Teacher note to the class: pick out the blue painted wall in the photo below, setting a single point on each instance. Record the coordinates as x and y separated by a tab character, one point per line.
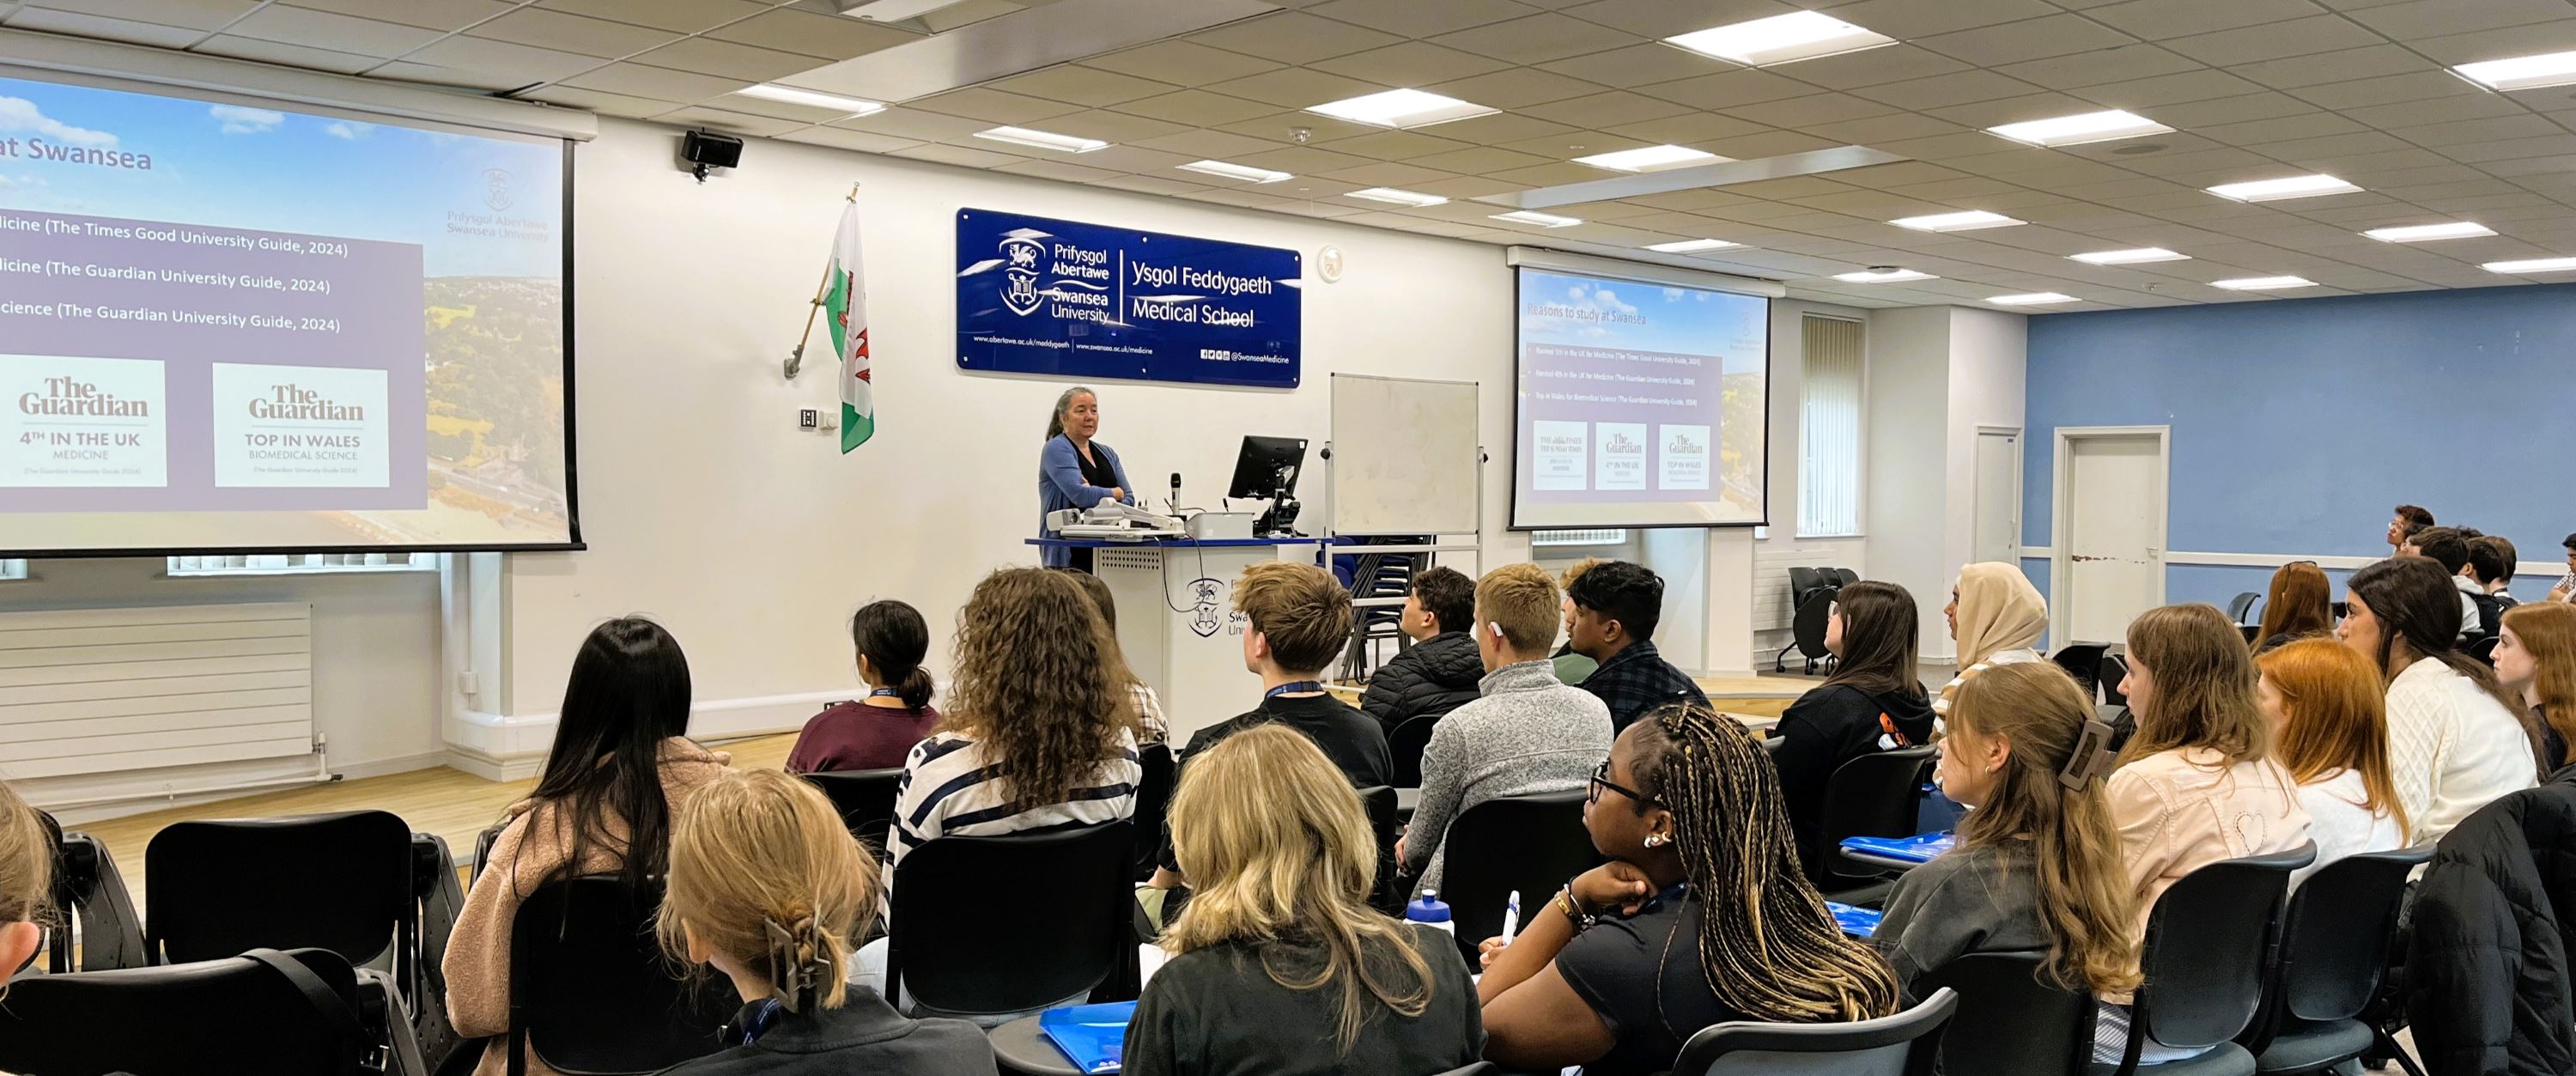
2297	423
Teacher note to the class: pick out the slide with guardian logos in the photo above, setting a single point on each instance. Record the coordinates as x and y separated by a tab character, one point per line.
228	326
1639	404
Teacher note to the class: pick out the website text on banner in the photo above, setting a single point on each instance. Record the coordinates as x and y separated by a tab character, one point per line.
1081	301
210	338
1639	404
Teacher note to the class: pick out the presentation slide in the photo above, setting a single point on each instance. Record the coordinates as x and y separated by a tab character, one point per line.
1639	404
235	327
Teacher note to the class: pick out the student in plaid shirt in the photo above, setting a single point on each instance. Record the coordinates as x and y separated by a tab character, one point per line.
1611	618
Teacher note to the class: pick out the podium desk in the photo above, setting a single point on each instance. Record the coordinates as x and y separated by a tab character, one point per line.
1176	619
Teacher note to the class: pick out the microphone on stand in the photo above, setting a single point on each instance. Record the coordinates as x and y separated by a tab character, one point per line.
1176	493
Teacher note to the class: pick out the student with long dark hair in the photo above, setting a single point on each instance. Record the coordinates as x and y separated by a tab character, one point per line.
2038	866
878	731
2456	739
2299	605
1873	702
620	765
1700	917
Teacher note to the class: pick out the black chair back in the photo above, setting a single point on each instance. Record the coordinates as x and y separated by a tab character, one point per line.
1153	801
1531	844
2242	606
1881	1047
2083	661
2335	940
2011	1019
1388	893
90	892
209	1018
2113	677
1804	581
590	988
340	881
2483	648
865	799
1404	746
2490	617
1004	924
1807	627
1870	796
2208	951
1842	577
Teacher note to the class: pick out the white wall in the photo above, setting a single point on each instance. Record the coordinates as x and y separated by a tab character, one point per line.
1785	545
376	683
1989	367
1906	468
752	541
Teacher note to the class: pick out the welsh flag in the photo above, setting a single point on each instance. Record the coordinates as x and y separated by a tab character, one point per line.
845	306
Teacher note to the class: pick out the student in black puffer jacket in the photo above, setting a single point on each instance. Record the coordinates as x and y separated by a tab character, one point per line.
1873	702
1439	672
2486	957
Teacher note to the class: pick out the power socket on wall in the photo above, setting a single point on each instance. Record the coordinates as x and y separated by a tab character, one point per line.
808	418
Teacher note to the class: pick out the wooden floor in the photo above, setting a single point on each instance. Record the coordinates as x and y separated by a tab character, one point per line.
457	805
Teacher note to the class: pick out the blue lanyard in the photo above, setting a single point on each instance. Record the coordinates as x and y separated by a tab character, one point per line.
759	1020
882	692
1301	687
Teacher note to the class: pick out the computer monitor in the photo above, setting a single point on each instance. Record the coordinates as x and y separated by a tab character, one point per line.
1267	467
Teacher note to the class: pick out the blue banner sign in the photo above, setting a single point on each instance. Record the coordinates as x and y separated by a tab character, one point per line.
1052	297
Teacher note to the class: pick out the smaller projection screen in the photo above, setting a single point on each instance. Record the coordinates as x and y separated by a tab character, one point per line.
1638	404
231	326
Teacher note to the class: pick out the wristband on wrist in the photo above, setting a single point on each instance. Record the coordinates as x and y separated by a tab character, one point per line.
1574	910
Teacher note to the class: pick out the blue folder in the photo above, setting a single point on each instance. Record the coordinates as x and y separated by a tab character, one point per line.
1917	849
1857	922
1093	1037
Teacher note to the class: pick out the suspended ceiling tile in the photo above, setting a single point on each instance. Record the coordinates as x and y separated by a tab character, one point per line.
323	29
1538	38
1080	85
1873	67
1635	65
515	65
104	28
2160	19
1410	63
278	52
1196	108
205	15
1183	63
1294	37
828	37
565	32
726	59
1517	88
679	16
1296	87
2030	39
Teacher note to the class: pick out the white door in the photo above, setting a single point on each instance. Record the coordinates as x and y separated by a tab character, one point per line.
2113	534
1998	496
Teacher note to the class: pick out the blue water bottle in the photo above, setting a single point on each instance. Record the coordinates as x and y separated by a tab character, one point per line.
1431	912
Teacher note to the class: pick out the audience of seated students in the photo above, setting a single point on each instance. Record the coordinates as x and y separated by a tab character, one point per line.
1297	619
1571	665
877	732
1873	702
2444	546
2330	730
1527	734
1438	673
2492	561
2455	740
2199	782
2535	658
2300	604
1152	726
1616	607
2038	864
1279	966
2409	519
1701	917
620	765
26	884
768	888
1997	616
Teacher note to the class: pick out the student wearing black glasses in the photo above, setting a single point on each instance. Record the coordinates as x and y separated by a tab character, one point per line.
1615	971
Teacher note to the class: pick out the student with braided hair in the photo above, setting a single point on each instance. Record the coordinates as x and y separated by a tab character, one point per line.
1700	917
768	887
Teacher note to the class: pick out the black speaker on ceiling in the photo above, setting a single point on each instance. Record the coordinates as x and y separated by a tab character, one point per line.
706	149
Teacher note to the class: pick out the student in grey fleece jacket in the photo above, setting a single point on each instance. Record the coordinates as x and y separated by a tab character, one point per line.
1526	733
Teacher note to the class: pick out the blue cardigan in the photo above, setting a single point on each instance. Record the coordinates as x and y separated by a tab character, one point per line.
1060	486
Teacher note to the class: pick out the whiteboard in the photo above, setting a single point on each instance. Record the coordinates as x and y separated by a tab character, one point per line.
1406	456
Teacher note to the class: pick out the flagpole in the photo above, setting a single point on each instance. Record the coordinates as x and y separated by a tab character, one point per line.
796	356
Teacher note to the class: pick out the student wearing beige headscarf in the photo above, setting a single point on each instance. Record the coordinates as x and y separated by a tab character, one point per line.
1997	617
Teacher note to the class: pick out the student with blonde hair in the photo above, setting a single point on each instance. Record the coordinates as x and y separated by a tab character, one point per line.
2330	721
767	887
2038	865
1997	616
2536	656
1279	967
26	883
1526	734
2198	782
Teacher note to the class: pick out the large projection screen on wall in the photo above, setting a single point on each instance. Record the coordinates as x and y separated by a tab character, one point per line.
1638	402
226	325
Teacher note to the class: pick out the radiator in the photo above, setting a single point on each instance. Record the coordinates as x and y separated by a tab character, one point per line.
86	691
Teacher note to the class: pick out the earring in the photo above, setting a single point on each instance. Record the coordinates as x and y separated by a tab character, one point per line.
1654	840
